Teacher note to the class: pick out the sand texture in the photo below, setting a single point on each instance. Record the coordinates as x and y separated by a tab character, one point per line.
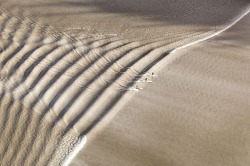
195	113
68	68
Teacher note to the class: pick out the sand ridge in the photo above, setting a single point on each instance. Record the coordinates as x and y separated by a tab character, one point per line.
195	113
69	84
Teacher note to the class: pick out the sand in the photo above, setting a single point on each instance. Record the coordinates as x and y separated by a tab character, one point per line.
69	68
195	113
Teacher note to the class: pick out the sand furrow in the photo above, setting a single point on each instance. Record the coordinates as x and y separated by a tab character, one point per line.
56	88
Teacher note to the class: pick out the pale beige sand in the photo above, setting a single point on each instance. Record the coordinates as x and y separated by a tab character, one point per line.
136	20
18	125
68	81
196	113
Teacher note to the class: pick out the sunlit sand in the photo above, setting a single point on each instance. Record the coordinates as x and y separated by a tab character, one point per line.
126	82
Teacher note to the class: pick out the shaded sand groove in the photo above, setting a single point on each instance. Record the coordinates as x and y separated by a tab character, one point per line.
56	88
11	138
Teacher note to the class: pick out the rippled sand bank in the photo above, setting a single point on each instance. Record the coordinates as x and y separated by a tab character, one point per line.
196	112
68	67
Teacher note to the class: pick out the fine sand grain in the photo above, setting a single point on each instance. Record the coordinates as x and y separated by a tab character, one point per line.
196	113
68	67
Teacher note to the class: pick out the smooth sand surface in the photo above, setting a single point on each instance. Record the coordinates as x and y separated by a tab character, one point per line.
68	67
196	113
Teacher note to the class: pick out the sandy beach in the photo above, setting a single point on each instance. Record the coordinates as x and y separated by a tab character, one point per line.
71	73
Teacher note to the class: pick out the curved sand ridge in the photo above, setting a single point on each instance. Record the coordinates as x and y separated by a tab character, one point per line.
196	113
57	87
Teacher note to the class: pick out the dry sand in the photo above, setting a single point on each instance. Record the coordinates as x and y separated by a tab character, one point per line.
196	113
69	79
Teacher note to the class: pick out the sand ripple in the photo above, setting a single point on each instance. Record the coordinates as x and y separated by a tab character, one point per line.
56	87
